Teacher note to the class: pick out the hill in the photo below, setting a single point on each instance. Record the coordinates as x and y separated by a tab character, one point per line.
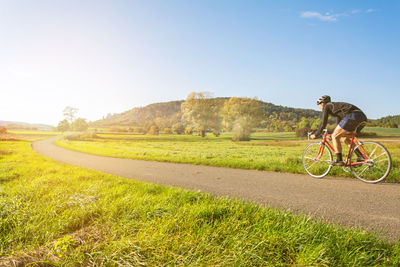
16	125
167	114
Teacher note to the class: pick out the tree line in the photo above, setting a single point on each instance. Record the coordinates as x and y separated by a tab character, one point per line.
387	122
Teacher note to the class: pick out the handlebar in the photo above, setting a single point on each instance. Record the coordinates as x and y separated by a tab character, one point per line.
325	131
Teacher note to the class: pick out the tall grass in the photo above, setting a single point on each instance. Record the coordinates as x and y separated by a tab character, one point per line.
61	215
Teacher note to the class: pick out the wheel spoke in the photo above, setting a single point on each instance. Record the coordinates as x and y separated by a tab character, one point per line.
309	158
381	160
383	154
363	170
309	167
373	152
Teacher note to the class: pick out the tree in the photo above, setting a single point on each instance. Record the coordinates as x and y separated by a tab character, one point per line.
287	128
153	130
63	126
3	129
69	113
79	125
242	114
316	123
202	112
148	125
303	127
178	128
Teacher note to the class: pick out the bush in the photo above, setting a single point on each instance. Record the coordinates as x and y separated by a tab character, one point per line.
3	129
240	133
302	132
189	130
153	130
178	128
216	132
118	130
81	136
79	125
63	126
139	130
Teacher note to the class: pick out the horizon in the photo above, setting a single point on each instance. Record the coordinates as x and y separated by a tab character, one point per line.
109	57
33	123
134	108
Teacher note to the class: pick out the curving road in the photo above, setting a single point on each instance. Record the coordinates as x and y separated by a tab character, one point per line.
347	202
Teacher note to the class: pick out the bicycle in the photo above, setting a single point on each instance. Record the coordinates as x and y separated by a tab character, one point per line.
373	167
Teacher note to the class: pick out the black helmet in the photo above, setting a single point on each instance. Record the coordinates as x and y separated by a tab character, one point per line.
324	99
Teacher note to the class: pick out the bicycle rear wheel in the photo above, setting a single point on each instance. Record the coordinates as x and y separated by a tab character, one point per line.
317	160
376	166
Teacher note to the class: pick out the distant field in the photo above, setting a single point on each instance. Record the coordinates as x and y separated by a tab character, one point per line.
384	131
53	214
266	151
35	132
27	135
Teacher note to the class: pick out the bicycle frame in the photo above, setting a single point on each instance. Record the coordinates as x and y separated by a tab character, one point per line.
354	140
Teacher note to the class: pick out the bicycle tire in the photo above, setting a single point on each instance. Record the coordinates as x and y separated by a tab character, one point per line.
371	172
317	168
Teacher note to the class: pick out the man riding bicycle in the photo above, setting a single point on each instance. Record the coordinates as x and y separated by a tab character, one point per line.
348	118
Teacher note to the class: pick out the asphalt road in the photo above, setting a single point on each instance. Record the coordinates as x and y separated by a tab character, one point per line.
348	202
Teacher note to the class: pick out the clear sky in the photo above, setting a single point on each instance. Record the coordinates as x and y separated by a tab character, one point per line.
110	56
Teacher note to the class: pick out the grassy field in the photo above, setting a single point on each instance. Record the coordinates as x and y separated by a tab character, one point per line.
395	132
26	135
59	215
34	132
266	151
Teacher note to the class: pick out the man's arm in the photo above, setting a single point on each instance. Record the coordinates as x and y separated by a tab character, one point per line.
324	120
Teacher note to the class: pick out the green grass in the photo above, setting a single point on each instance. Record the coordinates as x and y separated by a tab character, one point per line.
272	151
61	215
384	131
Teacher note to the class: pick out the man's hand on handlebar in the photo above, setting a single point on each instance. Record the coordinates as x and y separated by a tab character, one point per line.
311	135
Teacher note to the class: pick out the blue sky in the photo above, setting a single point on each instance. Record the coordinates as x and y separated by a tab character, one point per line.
110	56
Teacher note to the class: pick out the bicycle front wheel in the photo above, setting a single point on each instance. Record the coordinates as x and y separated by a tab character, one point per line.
376	165
317	160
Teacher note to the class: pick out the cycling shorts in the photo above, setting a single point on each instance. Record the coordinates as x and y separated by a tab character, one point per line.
352	120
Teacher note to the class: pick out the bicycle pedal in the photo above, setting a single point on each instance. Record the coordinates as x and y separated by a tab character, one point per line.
337	163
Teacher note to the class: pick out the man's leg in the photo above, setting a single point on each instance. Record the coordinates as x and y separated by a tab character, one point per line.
337	134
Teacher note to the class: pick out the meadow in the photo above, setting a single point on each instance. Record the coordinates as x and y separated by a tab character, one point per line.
27	135
53	214
384	132
280	152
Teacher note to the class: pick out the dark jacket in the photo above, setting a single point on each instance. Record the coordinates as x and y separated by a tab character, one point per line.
336	109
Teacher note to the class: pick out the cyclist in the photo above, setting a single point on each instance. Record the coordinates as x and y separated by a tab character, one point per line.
348	117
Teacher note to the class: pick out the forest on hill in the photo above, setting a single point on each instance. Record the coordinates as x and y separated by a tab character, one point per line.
168	115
